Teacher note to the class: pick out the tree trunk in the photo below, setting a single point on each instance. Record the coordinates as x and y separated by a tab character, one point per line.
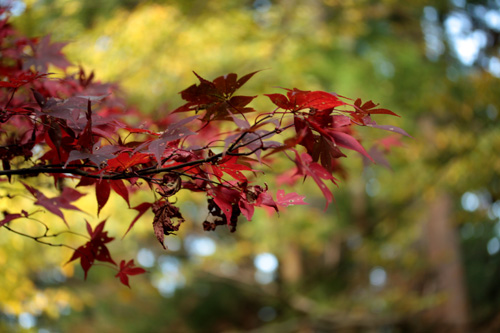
291	264
444	257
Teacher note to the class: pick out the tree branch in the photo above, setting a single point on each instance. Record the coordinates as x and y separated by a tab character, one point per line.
36	170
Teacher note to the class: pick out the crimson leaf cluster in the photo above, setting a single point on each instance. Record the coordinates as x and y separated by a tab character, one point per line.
74	127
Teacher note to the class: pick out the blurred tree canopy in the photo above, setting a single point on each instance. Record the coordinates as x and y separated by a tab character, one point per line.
416	249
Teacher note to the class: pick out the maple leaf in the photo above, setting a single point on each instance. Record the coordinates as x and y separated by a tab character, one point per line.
226	199
255	196
21	79
217	217
229	165
103	190
289	178
296	100
95	249
322	100
166	216
141	208
390	141
347	141
140	130
335	129
289	199
370	122
216	97
86	138
254	141
9	217
55	204
59	142
306	167
382	147
369	108
171	134
228	84
327	152
305	136
127	160
46	53
126	269
98	156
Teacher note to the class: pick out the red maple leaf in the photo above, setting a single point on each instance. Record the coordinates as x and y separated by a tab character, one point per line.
103	190
390	141
21	79
296	100
216	97
141	208
370	122
289	199
347	141
126	269
229	83
95	249
229	165
9	217
47	53
255	196
126	160
370	108
55	204
306	167
225	198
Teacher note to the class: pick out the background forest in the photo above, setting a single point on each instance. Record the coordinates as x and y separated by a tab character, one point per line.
412	249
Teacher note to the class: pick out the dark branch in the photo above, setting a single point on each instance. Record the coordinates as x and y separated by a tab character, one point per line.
36	170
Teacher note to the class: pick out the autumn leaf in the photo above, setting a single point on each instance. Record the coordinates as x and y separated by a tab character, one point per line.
102	191
226	199
21	79
228	84
280	101
216	97
348	141
47	53
172	133
119	187
141	208
296	100
167	220
217	217
306	167
370	108
289	199
229	165
370	122
9	217
126	160
95	249
126	269
55	204
255	196
390	141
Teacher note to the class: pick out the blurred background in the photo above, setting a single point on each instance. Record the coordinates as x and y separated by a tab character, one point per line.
412	249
